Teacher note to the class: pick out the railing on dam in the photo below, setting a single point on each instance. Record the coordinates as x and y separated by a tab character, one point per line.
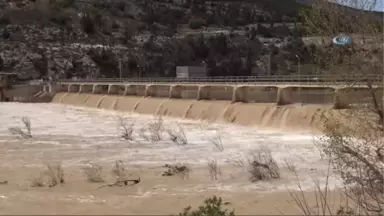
281	93
280	79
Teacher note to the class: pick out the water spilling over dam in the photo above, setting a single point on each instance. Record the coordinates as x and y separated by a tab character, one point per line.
283	107
262	115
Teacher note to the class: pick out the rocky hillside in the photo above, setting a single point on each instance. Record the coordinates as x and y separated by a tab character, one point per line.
100	38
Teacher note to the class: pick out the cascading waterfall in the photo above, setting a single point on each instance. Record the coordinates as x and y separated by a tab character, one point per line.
293	117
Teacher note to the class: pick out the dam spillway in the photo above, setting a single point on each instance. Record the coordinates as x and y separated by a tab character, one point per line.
338	97
242	93
260	114
284	107
280	107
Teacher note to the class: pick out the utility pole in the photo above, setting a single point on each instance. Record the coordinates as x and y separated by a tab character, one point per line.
298	66
120	74
299	71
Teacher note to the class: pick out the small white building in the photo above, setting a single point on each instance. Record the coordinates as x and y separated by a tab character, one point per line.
191	71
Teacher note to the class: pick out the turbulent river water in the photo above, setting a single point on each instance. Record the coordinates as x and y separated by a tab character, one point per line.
76	136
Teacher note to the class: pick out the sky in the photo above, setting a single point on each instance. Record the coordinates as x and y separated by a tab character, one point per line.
380	6
376	5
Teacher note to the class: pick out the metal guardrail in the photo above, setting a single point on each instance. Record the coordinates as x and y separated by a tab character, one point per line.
310	80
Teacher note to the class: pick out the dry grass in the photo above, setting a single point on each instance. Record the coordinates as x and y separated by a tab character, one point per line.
127	133
38	181
94	173
217	142
53	176
119	170
214	169
155	130
290	166
143	134
323	204
262	166
178	137
27	133
238	163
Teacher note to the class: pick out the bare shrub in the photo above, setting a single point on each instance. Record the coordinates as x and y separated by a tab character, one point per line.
127	129
238	163
214	169
94	173
262	166
38	181
180	170
143	135
119	170
324	205
353	139
290	166
217	142
178	137
155	130
53	176
122	178
27	133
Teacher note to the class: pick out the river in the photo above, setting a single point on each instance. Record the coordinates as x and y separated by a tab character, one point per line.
77	136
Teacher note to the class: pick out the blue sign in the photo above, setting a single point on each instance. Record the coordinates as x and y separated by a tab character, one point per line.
342	40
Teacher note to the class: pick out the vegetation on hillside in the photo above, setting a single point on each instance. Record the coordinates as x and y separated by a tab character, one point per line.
151	38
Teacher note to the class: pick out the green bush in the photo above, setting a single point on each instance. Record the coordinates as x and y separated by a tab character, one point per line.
196	23
87	24
6	34
5	20
212	207
61	19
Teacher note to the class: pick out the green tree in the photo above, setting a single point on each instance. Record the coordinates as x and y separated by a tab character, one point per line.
212	207
87	24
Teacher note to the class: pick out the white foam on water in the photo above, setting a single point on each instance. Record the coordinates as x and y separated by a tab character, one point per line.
85	130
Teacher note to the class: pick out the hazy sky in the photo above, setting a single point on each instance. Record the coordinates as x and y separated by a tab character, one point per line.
380	6
368	4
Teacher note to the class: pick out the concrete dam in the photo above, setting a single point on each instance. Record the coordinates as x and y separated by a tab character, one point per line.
286	107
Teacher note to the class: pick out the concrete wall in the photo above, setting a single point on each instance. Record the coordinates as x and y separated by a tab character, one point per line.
113	89
311	95
62	87
140	90
255	94
221	92
158	90
281	95
189	92
85	88
74	88
22	93
100	89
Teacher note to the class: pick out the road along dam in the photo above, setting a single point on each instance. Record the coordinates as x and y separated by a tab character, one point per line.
268	106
